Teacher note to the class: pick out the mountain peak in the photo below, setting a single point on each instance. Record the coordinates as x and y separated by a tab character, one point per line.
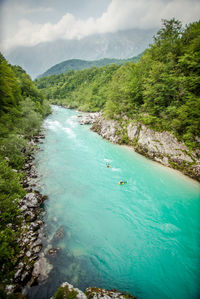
121	45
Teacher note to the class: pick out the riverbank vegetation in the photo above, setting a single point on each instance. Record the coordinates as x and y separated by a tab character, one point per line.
161	90
84	89
22	108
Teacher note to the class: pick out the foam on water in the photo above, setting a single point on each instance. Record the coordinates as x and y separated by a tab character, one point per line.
72	121
53	125
69	132
142	237
107	160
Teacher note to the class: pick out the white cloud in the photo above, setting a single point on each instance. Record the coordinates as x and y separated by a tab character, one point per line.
120	15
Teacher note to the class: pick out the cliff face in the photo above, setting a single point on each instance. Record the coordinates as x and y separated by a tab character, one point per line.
162	147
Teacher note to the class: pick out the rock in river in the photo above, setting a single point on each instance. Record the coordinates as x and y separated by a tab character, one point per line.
59	234
41	270
31	200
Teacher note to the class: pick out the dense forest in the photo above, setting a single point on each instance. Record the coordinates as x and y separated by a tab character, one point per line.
22	109
161	90
84	89
78	64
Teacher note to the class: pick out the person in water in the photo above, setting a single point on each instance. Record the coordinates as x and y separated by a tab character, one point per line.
107	165
122	183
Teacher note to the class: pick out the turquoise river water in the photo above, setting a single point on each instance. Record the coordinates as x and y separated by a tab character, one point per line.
142	237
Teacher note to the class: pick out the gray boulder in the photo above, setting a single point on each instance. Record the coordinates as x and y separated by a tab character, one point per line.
31	200
41	270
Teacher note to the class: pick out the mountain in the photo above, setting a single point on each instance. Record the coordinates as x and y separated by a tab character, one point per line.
121	45
78	64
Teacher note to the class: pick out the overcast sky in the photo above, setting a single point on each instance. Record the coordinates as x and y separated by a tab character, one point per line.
29	22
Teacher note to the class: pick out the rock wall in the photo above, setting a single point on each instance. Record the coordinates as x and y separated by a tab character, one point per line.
162	147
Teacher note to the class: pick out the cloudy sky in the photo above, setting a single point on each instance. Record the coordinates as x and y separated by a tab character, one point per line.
29	22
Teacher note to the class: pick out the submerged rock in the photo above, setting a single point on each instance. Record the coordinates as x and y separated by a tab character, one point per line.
41	270
54	251
59	234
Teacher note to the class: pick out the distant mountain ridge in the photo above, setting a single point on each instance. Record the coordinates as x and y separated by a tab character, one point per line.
79	64
121	45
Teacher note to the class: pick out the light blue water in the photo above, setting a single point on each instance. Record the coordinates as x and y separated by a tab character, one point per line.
142	237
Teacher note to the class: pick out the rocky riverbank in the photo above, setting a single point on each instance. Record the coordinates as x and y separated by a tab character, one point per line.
161	147
33	266
88	118
29	241
34	261
67	290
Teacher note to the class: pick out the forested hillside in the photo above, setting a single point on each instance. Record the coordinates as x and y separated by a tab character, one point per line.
84	89
22	110
161	90
78	64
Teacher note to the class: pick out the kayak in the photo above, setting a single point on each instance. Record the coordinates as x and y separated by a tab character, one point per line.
122	183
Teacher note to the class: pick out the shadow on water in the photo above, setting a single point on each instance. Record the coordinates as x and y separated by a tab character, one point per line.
68	268
73	268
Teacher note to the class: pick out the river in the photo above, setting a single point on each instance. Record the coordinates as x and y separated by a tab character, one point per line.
142	237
